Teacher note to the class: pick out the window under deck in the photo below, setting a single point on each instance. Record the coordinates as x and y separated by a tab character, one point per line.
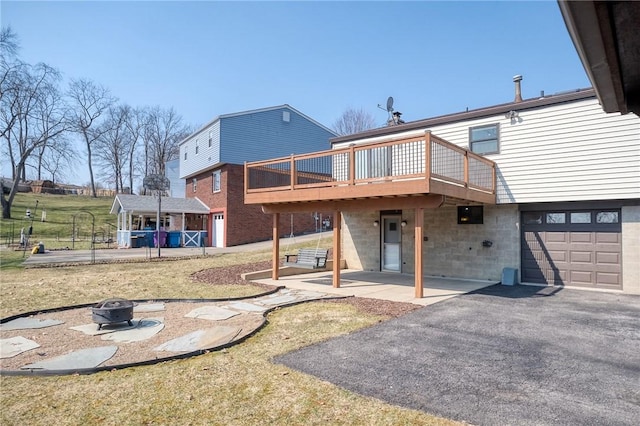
408	167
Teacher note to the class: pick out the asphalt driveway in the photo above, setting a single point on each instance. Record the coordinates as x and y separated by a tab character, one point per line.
498	356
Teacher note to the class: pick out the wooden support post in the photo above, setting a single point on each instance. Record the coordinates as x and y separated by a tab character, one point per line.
352	164
418	252
294	172
276	247
337	224
466	169
427	159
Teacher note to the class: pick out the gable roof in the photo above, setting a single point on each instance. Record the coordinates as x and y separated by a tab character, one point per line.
255	111
572	96
149	204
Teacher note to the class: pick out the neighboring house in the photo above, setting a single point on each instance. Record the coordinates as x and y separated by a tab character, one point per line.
176	185
137	216
549	187
212	165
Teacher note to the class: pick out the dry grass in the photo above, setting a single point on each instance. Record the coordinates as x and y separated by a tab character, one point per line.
238	386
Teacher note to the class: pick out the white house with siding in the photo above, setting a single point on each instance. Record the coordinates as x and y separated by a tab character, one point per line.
563	207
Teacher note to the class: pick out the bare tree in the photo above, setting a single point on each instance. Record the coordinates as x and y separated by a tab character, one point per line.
9	43
89	102
135	121
58	159
11	74
353	121
163	132
112	147
33	116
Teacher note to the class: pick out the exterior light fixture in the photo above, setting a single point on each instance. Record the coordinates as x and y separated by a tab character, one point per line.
376	223
403	223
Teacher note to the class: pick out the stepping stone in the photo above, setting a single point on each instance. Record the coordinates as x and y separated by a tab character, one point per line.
247	307
83	358
201	339
28	323
311	294
16	345
149	307
278	300
144	329
91	329
212	313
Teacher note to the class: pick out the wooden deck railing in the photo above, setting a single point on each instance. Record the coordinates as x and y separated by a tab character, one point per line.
426	158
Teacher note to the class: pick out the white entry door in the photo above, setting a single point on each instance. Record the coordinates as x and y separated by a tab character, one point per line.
218	230
391	244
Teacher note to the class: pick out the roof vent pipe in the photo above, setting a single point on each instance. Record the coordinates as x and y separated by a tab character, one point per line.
517	79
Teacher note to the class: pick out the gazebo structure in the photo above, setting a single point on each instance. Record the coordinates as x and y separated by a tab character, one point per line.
183	221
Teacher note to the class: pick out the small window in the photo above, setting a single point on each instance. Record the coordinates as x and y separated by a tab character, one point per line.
210	139
468	215
607	217
484	139
197	148
532	218
185	154
581	217
216	181
195	184
556	218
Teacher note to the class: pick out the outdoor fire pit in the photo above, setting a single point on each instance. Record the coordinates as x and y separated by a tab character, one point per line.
112	311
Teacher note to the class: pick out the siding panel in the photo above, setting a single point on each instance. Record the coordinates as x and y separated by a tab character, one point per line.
565	152
265	135
207	155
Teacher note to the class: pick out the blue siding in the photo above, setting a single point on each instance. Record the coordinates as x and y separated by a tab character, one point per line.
207	155
177	185
264	134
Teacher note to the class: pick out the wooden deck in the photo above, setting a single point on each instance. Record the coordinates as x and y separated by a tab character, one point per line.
404	171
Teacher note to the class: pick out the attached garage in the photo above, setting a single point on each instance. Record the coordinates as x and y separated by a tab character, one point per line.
576	247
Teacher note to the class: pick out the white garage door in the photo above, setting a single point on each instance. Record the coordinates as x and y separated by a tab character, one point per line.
218	230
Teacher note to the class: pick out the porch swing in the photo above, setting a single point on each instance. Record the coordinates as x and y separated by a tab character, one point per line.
306	258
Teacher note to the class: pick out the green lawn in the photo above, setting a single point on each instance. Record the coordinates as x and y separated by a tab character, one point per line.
237	386
64	214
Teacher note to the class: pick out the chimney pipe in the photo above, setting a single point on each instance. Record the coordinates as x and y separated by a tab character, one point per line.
517	79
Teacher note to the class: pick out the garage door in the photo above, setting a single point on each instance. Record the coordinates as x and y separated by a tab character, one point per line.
573	247
218	230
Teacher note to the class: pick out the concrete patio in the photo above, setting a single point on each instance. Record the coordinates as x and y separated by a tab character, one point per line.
380	285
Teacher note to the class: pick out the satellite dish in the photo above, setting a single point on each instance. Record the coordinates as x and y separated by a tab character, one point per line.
390	104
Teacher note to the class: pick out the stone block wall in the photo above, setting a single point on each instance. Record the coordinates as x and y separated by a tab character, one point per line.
450	249
631	249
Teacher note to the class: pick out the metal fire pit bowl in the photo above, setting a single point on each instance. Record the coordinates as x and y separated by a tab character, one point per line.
112	311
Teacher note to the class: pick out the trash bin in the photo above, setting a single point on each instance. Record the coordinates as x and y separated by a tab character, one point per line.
149	237
509	276
173	239
135	242
41	247
203	238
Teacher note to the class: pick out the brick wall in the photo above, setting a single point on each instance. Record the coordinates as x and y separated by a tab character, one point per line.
243	223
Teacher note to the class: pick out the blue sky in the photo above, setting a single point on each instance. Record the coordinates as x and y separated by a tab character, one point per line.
208	58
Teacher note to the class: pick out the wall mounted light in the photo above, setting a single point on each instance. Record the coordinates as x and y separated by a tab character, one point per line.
376	223
403	223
